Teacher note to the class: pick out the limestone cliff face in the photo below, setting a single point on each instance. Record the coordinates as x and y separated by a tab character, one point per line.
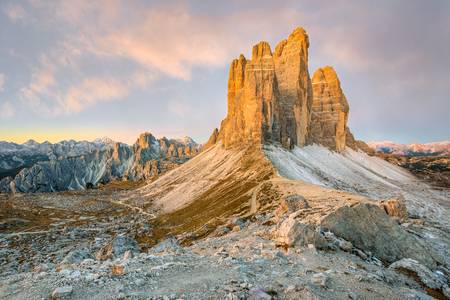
329	114
330	109
270	96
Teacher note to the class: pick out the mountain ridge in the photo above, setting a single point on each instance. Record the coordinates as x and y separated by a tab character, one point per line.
46	167
440	148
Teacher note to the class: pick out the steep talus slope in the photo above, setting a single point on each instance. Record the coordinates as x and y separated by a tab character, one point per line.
212	186
357	172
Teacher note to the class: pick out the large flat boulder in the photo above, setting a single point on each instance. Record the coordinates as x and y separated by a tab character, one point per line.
369	228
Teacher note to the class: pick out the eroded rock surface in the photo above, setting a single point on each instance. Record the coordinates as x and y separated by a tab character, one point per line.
329	110
270	95
369	228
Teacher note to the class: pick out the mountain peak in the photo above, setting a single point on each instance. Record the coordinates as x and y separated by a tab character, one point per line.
272	99
145	140
31	142
261	50
326	73
329	110
269	97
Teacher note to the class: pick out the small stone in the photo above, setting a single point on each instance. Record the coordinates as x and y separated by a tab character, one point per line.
320	279
117	270
236	228
61	292
361	254
345	245
446	291
258	293
354	296
128	254
40	268
420	222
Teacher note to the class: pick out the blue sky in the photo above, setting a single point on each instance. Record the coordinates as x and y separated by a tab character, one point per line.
87	69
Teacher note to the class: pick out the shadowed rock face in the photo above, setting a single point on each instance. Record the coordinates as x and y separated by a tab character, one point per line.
147	158
270	96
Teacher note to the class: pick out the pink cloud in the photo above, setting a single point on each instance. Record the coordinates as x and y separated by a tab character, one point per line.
15	12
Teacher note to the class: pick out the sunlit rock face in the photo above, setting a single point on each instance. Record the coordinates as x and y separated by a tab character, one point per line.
270	96
330	109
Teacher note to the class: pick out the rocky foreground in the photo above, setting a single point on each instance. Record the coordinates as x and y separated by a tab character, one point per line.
92	245
282	203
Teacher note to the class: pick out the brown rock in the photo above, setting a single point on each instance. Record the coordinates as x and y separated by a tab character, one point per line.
269	96
212	139
117	270
394	207
329	110
356	144
291	203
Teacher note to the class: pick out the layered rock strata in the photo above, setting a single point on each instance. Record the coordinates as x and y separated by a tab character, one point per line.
330	110
270	95
271	99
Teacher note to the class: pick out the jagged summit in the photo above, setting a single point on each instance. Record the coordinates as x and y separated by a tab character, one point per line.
272	99
269	96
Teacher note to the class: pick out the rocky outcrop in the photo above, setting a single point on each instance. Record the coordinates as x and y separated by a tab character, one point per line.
367	227
146	159
329	114
356	144
330	109
395	207
271	99
212	139
270	95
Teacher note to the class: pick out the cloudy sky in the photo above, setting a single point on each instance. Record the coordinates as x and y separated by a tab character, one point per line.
87	69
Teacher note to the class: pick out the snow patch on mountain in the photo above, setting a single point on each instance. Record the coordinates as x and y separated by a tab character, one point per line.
357	172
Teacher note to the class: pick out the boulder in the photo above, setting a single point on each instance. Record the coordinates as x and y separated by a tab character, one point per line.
168	245
76	256
117	248
292	233
395	207
293	203
62	292
369	228
420	272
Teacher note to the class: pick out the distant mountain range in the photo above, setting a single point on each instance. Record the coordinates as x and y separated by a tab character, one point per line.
73	165
428	149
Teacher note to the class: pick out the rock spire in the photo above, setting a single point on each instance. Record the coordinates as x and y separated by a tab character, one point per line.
329	112
270	95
